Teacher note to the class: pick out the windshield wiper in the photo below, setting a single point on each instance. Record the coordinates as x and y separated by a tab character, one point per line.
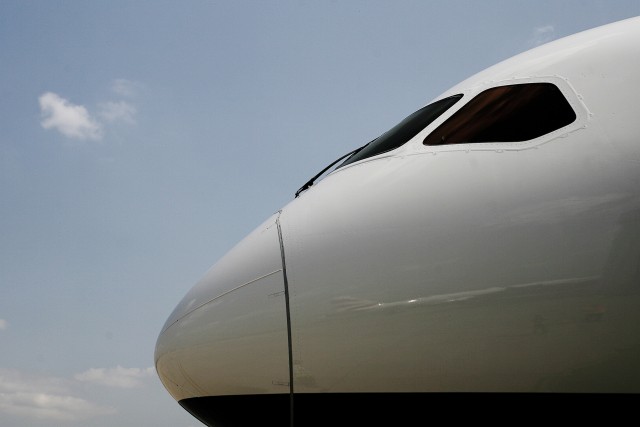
319	174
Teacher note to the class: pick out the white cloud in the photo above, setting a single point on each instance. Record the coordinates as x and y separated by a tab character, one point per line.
118	111
116	377
44	406
14	381
124	87
75	121
69	119
44	398
542	35
3	324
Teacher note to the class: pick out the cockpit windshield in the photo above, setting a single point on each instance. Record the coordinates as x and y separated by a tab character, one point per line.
393	138
404	131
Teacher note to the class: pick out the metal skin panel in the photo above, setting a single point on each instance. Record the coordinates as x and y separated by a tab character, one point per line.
210	343
484	267
405	278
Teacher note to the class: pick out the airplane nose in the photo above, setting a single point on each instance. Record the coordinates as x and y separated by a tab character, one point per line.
228	335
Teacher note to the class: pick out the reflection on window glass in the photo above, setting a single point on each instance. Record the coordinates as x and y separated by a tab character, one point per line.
405	130
506	114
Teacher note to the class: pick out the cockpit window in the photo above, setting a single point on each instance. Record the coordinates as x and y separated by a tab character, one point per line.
506	114
404	131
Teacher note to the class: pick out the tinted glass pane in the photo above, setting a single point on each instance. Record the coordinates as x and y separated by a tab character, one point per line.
405	130
506	114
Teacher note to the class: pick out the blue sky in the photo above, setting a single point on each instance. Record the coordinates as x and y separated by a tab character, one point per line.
140	140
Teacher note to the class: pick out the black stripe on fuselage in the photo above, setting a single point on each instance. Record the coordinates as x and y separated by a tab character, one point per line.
399	409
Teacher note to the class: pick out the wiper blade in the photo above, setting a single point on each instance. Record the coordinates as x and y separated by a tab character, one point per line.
319	174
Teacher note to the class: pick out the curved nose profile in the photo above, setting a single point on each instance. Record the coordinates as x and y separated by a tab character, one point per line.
206	351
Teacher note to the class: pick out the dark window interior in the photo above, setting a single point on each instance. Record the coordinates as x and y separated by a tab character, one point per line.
405	130
506	114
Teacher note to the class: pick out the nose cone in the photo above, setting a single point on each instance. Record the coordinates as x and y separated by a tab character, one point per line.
228	335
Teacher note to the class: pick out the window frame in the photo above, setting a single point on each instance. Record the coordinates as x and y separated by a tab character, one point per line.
415	145
563	86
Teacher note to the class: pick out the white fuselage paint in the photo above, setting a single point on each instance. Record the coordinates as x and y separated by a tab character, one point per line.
474	267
